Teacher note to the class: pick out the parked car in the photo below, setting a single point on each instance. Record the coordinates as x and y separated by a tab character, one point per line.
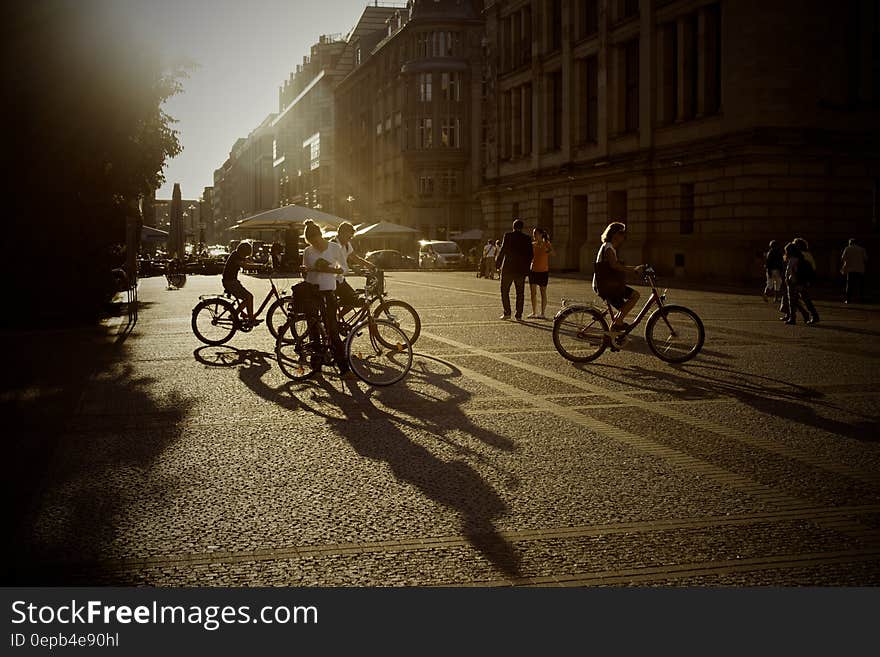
390	259
436	254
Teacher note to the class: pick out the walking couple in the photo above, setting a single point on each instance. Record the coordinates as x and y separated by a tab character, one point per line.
519	256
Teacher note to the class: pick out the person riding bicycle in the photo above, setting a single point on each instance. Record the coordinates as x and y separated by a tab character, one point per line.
231	284
609	279
322	262
346	296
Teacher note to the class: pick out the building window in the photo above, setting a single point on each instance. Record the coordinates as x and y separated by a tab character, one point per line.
628	8
313	145
554	36
631	86
587	18
450	84
713	58
422	44
424	131
448	183
425	87
449	133
426	185
686	222
555	114
589	116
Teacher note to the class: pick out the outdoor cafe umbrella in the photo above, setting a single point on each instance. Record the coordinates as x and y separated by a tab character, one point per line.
385	229
284	217
153	235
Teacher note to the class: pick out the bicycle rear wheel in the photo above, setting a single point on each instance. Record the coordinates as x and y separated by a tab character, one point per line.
296	353
675	334
371	360
580	333
214	321
402	315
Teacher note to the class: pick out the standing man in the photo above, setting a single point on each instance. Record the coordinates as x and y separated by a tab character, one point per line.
347	297
514	259
852	265
487	265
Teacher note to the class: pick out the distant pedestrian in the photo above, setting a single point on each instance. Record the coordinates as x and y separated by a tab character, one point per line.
797	278
539	273
774	265
513	259
852	265
488	263
275	254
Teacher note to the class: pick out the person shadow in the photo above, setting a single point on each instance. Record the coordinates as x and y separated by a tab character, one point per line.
381	424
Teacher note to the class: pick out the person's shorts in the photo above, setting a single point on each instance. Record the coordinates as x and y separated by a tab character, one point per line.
236	289
619	301
539	278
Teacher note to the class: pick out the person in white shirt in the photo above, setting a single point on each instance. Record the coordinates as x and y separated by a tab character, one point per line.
489	253
852	265
323	261
344	293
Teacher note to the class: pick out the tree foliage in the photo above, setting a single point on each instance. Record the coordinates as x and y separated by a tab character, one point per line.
89	140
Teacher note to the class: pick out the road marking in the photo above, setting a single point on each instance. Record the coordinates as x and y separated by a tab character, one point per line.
811	514
731	433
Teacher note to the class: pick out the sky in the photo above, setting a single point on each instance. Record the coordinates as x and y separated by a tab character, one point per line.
244	50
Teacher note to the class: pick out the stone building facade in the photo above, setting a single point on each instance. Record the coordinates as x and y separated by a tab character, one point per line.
708	126
408	118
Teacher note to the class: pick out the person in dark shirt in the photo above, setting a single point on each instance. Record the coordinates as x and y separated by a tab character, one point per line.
774	265
514	259
231	283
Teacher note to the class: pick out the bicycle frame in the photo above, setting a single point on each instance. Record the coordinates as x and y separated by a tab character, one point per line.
656	297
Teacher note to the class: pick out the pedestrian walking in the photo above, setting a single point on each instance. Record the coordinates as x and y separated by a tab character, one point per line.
774	265
853	262
514	259
488	262
539	273
797	280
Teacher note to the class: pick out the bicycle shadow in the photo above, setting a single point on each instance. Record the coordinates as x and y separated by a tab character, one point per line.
375	422
794	403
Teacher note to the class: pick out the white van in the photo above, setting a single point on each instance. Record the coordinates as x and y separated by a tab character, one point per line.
435	254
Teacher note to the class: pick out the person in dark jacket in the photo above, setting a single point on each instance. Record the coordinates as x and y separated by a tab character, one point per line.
796	283
514	259
774	266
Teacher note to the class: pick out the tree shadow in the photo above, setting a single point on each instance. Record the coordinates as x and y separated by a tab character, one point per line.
433	411
68	451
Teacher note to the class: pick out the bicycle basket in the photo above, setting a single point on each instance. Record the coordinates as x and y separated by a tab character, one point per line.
306	299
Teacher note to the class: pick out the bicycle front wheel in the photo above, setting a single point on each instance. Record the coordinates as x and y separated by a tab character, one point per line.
675	334
276	316
580	334
402	315
371	360
213	321
295	353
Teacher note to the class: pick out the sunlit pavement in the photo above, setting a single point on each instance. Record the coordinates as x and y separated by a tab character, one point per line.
495	462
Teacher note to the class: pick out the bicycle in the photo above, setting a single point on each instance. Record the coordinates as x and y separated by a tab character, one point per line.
399	313
674	334
215	319
377	351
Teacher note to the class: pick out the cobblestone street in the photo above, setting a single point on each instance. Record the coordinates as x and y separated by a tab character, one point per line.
494	462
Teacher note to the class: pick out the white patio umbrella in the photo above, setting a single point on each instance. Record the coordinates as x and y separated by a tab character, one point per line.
385	229
472	234
281	218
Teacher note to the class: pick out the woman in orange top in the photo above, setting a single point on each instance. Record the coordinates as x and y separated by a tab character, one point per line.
542	249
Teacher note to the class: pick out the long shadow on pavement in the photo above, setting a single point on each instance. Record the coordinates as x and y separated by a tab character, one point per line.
379	435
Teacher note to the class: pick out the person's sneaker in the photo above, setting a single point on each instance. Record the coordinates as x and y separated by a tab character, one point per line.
813	320
504	317
790	322
542	317
518	318
532	316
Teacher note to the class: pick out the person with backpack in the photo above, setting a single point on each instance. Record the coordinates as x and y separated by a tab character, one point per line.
797	279
774	265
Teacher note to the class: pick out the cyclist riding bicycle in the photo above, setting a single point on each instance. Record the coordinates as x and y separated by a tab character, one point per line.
231	284
346	296
322	263
609	279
